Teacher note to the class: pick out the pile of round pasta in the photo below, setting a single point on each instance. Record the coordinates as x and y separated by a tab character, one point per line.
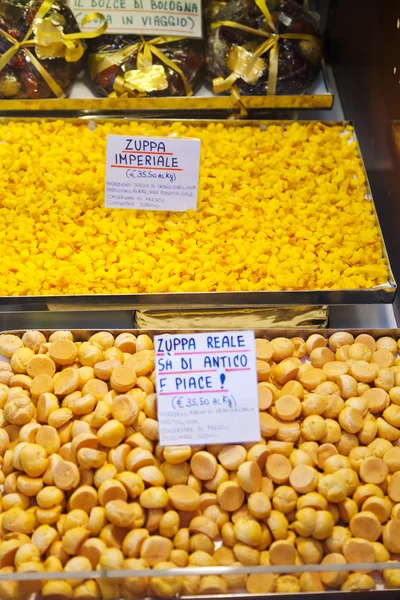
87	486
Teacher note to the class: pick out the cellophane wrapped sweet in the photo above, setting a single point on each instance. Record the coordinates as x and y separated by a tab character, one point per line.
299	60
187	54
19	78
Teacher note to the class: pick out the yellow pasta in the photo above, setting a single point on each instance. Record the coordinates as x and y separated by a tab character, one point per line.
277	210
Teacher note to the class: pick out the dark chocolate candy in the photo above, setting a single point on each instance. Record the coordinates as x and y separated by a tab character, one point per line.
187	54
299	60
19	78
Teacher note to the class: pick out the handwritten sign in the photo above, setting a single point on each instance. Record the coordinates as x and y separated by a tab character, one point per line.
207	388
145	17
152	173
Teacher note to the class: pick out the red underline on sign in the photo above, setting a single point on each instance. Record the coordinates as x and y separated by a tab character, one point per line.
187	372
209	352
166	12
239	369
138	152
198	392
151	168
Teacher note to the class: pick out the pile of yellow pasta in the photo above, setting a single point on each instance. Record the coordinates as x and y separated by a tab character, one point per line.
278	209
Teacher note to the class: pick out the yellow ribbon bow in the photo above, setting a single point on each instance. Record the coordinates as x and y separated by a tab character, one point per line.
144	65
50	41
271	45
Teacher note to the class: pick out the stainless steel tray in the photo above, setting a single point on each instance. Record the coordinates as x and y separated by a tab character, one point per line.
380	294
109	576
82	335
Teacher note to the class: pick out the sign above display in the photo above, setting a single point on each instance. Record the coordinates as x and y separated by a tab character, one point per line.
152	173
207	388
144	17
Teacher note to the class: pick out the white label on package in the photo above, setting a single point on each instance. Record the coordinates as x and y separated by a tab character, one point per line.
207	388
158	17
152	173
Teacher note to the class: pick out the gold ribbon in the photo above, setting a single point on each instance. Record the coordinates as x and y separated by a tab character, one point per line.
145	51
73	50
271	45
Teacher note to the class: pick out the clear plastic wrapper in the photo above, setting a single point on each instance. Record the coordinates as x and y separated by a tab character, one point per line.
212	9
259	48
135	66
22	76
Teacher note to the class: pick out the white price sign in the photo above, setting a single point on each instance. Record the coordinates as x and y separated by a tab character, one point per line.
152	173
145	17
207	388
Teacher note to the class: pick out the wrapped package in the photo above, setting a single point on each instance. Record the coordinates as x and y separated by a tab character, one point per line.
35	61
128	65
259	47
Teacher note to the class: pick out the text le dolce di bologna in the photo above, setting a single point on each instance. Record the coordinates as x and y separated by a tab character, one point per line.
141	15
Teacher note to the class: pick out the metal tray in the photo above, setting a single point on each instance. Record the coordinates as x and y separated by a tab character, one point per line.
82	99
109	576
384	294
377	594
167	105
82	335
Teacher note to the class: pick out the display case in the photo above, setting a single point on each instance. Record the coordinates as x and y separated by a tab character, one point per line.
357	88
